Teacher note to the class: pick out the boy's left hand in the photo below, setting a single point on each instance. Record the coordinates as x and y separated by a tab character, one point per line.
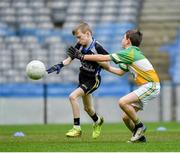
75	53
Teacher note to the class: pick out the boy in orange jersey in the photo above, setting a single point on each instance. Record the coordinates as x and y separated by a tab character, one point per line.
131	59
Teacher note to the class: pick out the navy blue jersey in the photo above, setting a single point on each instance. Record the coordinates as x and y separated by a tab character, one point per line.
88	67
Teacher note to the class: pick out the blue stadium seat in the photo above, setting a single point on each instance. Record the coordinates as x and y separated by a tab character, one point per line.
173	50
5	30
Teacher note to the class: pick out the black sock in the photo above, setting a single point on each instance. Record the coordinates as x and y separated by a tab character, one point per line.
94	117
76	121
139	125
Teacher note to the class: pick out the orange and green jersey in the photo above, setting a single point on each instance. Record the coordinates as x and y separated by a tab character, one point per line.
132	59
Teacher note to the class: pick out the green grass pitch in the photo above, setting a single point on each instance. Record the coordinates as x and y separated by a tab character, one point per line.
114	136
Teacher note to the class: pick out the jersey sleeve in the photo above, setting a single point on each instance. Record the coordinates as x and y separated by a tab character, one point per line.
124	67
100	49
123	56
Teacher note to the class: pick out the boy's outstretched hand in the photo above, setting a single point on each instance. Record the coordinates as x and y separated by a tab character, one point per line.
75	53
56	68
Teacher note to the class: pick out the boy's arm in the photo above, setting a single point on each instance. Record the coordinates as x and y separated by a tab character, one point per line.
67	61
75	53
57	68
111	69
115	70
97	58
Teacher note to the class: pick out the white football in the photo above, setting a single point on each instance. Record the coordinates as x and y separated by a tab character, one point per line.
35	70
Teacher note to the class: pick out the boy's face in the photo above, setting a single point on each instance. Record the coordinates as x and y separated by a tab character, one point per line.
83	38
125	42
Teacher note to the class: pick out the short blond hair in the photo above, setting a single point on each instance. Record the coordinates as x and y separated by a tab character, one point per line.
83	27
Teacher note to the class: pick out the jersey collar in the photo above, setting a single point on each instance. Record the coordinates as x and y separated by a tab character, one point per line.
85	50
137	48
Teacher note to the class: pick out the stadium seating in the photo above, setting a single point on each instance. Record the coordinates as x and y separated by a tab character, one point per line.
30	30
173	50
159	21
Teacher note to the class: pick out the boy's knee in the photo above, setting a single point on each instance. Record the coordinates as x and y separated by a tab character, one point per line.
72	97
121	103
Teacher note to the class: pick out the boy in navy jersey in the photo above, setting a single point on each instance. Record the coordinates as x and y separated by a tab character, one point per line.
89	79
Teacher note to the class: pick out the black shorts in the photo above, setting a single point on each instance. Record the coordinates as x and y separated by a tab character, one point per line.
89	83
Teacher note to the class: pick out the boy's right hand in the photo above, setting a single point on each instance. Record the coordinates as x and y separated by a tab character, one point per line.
55	68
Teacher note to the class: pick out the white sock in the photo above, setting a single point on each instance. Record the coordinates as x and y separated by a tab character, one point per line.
99	119
77	127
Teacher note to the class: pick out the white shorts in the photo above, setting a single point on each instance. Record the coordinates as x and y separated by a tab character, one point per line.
145	93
